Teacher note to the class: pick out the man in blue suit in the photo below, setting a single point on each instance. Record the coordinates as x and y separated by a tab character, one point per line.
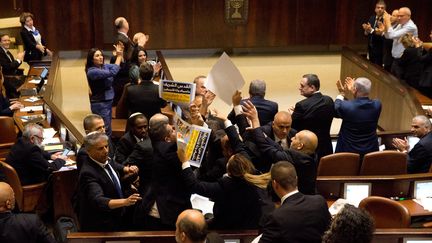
359	117
267	109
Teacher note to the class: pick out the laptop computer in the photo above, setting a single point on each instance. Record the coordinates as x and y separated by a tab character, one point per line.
35	91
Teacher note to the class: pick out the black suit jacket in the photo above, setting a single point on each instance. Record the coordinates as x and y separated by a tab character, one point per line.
4	106
420	156
267	109
411	65
144	98
268	130
167	187
31	52
238	204
129	152
9	66
375	42
426	75
23	228
305	165
300	219
316	113
31	163
95	190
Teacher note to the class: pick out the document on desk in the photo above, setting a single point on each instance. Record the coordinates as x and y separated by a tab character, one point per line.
32	108
32	99
49	132
36	81
224	79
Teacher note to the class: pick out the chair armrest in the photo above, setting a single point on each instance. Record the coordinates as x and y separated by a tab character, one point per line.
6	145
34	187
427	225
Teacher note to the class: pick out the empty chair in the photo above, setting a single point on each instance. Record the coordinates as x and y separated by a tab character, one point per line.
386	213
26	197
339	164
384	163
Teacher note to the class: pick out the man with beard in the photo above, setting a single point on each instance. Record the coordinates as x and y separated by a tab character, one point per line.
29	159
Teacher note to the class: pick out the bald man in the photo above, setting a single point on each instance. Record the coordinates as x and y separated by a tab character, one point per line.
19	227
406	25
280	129
302	151
191	227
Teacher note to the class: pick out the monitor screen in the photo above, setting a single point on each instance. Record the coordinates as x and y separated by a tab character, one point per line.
422	189
355	192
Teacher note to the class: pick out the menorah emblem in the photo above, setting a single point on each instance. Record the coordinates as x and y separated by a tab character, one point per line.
236	4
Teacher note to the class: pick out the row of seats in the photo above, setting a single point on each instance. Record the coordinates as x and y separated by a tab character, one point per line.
375	163
388	213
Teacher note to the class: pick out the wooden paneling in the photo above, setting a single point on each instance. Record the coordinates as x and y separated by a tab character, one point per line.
82	24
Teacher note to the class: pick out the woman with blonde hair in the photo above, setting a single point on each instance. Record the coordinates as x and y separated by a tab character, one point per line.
239	197
410	61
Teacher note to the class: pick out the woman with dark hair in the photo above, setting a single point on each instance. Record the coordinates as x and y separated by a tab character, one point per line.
34	44
139	56
351	224
100	77
6	107
239	198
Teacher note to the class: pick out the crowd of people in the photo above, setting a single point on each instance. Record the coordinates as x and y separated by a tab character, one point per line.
393	43
260	164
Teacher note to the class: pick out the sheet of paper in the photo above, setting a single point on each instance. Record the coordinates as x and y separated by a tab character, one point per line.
52	141
224	79
202	203
36	81
32	108
32	99
49	132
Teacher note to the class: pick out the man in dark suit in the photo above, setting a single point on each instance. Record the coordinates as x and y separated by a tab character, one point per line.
375	38
301	152
315	113
122	77
169	195
359	117
300	218
135	148
144	97
15	228
192	227
100	195
420	156
10	66
280	129
93	123
266	109
28	158
6	107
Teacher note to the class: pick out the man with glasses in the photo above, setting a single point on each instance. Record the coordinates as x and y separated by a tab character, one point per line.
29	159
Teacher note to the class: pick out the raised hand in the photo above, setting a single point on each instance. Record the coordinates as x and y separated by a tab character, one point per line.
236	98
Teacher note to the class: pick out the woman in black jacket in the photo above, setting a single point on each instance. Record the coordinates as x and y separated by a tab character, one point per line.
240	198
34	45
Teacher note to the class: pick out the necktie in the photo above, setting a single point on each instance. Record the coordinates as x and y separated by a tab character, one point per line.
10	56
114	180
